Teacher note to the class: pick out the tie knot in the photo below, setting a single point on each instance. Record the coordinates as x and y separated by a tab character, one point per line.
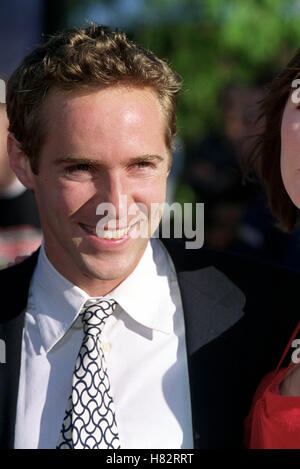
94	315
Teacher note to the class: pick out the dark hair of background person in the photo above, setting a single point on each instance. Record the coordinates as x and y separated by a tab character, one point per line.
84	59
264	158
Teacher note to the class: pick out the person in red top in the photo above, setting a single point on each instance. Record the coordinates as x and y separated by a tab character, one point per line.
274	418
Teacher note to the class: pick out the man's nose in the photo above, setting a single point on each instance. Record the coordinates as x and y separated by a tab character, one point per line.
115	193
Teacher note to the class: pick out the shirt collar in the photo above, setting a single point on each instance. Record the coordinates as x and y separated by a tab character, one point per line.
57	301
144	295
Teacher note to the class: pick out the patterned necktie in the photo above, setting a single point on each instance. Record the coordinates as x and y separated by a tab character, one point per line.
89	421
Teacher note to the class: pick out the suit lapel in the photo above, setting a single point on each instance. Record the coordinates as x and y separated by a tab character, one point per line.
212	305
214	329
15	284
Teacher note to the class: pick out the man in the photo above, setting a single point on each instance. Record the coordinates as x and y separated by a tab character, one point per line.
110	339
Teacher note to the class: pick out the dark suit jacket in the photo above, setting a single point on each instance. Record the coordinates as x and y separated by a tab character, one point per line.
238	317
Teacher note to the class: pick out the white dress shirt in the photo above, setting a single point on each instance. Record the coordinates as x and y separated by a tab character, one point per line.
144	344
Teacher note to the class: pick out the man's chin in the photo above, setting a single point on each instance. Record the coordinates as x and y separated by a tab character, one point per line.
97	282
106	276
107	271
109	267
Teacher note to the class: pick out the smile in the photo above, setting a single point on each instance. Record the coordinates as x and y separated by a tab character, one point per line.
107	234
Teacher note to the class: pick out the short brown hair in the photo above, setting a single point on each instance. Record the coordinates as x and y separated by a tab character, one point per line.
266	151
81	58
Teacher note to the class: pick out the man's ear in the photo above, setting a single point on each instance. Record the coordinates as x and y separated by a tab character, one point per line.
19	162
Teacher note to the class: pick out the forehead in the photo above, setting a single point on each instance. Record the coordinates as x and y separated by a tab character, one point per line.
129	102
112	119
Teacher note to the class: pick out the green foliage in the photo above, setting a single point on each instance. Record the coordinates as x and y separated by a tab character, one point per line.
216	43
212	43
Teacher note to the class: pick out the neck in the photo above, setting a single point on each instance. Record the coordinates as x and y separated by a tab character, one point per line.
93	277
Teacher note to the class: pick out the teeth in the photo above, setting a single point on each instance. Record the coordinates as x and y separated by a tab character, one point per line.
107	234
113	234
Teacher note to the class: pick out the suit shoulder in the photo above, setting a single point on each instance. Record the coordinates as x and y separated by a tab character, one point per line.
14	284
242	270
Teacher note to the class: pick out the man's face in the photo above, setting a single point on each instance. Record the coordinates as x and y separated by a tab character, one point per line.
106	146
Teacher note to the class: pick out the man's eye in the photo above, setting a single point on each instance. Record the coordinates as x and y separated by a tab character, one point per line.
144	164
78	167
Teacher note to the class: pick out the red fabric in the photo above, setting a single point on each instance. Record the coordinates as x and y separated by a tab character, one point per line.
274	420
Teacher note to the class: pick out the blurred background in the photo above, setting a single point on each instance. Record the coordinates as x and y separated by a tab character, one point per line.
227	52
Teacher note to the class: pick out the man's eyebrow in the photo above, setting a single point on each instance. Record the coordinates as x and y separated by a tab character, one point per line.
89	161
75	159
138	159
